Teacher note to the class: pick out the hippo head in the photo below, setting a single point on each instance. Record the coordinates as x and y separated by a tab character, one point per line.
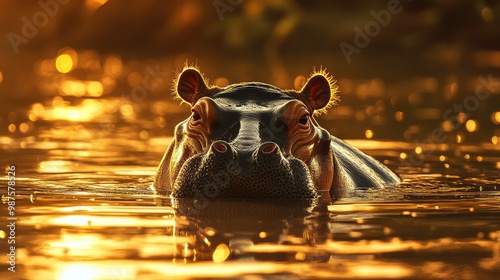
249	140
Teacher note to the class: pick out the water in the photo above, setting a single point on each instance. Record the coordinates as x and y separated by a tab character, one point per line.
85	150
85	211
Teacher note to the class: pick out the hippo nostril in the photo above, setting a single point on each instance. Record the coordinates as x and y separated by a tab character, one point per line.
219	147
269	148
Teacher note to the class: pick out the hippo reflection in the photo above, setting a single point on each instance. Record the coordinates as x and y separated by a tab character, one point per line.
254	140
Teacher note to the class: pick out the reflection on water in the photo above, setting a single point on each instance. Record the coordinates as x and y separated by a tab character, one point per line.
101	234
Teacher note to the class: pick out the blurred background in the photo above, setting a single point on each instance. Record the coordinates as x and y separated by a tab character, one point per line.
107	66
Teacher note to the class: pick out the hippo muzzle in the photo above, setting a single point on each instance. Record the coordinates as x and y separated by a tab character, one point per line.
226	172
254	140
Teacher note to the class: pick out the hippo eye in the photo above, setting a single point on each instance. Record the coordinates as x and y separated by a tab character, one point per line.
304	119
196	116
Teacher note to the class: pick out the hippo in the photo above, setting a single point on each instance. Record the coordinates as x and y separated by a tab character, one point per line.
255	140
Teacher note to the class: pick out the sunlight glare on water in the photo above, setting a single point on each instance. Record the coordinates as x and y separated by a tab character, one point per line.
87	149
87	211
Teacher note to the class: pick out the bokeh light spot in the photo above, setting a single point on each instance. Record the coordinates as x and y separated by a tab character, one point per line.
298	82
221	82
221	253
453	89
12	116
73	88
144	134
369	134
126	110
64	63
113	66
447	126
94	4
300	256
399	116
487	14
461	117
471	126
94	88
495	117
24	127
12	127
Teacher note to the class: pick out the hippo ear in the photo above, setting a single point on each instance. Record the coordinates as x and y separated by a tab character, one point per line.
191	86
317	91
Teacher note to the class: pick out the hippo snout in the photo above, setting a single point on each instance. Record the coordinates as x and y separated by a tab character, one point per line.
226	171
245	160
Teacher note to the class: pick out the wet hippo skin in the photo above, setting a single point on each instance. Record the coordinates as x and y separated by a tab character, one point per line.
254	140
